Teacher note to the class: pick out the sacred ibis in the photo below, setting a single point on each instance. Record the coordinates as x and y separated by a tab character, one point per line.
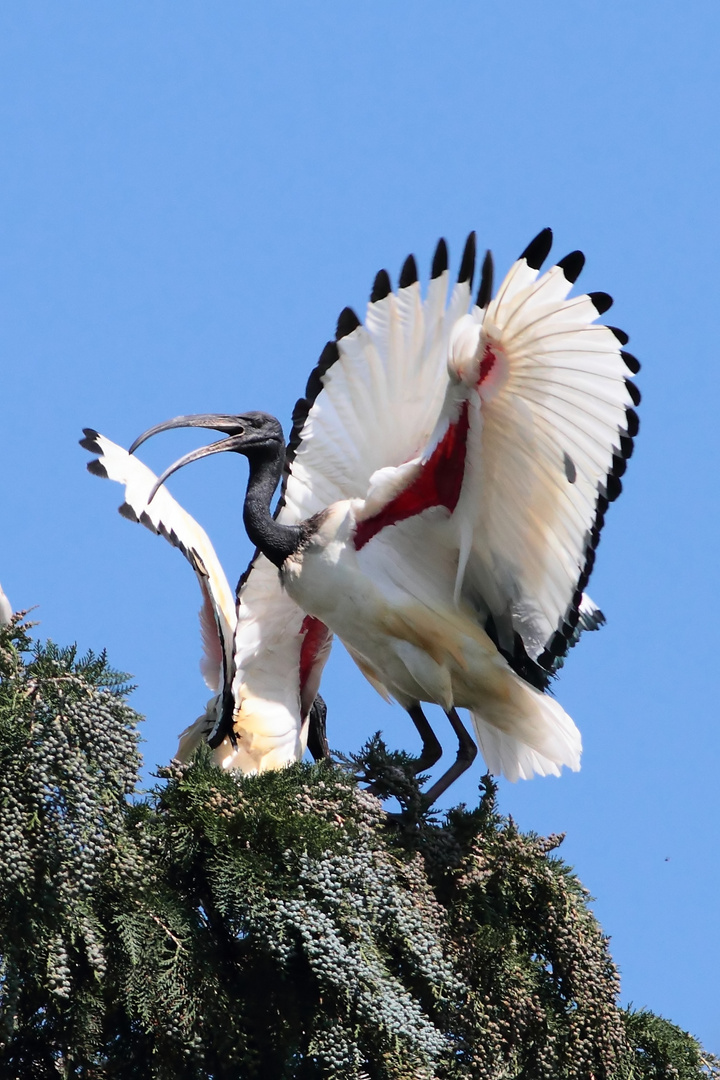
262	657
459	464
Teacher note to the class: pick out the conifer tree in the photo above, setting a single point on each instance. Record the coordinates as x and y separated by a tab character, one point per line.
281	925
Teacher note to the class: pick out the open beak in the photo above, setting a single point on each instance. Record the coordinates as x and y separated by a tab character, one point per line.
214	421
219	447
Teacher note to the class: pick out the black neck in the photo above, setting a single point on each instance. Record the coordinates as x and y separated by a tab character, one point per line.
274	540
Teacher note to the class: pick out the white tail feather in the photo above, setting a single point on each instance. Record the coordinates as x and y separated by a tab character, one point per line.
546	740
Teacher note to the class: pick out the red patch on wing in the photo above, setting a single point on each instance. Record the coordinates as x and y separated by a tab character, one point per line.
486	364
438	484
316	635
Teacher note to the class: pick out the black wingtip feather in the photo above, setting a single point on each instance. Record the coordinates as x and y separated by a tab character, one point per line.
571	265
632	422
440	259
97	468
381	287
409	273
467	266
602	301
538	249
613	487
632	362
127	511
347	322
329	356
90	442
566	636
486	281
558	642
633	392
622	337
626	446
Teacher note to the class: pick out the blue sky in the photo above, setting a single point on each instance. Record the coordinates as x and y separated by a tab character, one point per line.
190	193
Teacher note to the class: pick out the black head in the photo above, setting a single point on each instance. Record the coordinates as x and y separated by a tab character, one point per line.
251	433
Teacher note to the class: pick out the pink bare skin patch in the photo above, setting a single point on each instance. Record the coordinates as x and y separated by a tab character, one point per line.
438	484
316	635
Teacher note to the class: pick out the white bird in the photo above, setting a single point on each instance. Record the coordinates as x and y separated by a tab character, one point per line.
263	659
479	480
6	611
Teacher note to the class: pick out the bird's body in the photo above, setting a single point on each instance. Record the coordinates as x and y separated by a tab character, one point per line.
426	648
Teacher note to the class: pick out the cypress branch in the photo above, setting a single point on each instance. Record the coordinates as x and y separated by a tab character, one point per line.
280	925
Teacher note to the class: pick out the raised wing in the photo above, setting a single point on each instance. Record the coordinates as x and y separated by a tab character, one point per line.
547	449
533	434
265	651
374	398
164	516
371	402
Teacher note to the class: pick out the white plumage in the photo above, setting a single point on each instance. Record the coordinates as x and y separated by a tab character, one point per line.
460	460
543	396
252	653
450	465
6	611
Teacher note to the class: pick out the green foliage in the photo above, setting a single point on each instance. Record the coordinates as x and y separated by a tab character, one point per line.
661	1049
280	925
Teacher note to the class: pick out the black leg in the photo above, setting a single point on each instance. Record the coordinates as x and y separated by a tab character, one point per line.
467	751
431	748
317	739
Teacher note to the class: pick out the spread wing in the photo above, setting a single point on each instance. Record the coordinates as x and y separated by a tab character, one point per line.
373	400
530	441
259	651
167	518
550	442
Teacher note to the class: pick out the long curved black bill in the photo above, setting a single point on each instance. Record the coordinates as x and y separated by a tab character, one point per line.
194	455
215	421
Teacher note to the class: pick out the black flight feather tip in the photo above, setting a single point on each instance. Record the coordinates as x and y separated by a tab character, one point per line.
347	322
328	357
127	511
626	446
632	363
96	468
440	259
572	265
467	266
602	301
622	337
381	287
613	487
632	423
633	392
538	249
90	441
408	274
486	281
